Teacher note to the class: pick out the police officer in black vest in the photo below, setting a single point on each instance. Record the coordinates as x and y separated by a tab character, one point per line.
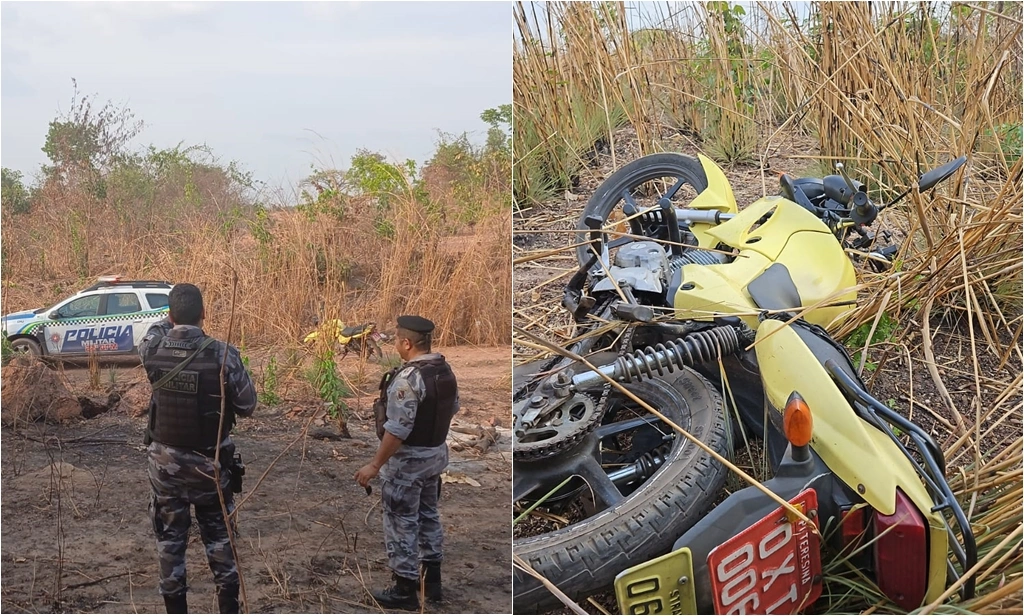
414	411
185	366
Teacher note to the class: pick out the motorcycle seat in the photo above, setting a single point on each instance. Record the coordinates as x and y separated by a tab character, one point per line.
353	330
774	289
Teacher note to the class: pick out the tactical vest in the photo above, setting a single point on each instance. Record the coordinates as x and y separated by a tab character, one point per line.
435	411
187	406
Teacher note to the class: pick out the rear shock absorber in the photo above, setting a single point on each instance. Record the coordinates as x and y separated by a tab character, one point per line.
697	348
645	466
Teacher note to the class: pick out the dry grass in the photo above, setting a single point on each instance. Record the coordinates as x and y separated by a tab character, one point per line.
312	267
888	90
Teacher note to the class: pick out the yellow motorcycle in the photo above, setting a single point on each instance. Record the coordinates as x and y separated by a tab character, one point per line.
363	339
661	308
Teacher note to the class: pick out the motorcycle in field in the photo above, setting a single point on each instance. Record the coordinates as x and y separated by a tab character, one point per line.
363	339
690	305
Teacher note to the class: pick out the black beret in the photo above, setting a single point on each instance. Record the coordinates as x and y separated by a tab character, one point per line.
415	324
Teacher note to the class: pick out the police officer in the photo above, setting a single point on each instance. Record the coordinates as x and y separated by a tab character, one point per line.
414	412
184	366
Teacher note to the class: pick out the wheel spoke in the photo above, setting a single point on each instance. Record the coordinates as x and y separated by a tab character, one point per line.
522	485
604	490
622	241
672	191
630	208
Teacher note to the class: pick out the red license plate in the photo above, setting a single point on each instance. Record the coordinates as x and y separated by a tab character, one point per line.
773	567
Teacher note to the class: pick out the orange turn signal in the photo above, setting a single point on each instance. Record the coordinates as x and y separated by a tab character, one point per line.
796	421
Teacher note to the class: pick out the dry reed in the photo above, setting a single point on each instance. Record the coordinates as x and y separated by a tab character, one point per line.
891	90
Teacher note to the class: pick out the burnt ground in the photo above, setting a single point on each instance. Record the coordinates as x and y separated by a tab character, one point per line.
76	535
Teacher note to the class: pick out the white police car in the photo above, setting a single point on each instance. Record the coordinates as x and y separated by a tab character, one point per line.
109	318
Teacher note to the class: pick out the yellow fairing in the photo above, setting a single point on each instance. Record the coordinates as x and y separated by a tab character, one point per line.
793	237
857	453
720	289
332	329
717	196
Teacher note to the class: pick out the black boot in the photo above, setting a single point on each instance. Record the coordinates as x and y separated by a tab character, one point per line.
402	595
227	600
176	605
432	581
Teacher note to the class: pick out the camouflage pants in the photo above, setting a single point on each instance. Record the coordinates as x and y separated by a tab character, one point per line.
177	488
412	525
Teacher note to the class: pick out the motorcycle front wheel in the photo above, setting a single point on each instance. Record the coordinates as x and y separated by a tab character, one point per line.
634	185
585	557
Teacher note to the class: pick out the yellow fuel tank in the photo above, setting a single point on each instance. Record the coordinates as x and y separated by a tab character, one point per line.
771	230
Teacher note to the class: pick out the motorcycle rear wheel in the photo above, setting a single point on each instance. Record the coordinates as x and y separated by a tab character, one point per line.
610	194
586	556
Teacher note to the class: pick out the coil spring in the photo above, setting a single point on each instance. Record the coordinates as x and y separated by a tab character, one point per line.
697	348
649	462
697	257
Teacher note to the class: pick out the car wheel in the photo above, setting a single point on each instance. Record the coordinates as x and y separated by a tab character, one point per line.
26	346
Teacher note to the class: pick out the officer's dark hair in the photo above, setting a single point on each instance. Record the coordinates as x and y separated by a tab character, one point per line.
186	304
418	340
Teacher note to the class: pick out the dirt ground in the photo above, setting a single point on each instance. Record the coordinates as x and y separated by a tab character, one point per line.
76	536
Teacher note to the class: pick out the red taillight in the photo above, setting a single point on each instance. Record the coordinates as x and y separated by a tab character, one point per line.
901	554
853	527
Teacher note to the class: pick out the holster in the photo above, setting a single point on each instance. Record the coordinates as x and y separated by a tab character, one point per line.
237	472
380	405
380	415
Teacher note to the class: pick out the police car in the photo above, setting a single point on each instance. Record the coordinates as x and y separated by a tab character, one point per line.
109	318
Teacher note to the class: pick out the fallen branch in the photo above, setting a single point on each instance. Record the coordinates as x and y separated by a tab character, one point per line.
94	582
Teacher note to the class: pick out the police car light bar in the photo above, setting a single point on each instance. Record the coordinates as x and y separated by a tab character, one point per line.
109	279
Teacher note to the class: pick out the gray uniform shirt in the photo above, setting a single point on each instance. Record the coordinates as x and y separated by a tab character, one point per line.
405	393
239	389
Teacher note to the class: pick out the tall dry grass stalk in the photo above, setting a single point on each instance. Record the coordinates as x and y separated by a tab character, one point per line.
889	89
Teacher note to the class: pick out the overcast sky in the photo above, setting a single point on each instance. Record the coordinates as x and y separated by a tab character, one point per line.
275	86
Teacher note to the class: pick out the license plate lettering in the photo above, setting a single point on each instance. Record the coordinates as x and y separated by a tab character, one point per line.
729	567
747	605
638	590
660	586
791	597
652	606
773	574
643	587
770	567
766	548
738	587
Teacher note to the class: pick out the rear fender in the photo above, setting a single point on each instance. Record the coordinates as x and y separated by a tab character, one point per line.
861	456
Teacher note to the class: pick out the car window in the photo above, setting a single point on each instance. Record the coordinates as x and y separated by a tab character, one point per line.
88	306
123	303
156	300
